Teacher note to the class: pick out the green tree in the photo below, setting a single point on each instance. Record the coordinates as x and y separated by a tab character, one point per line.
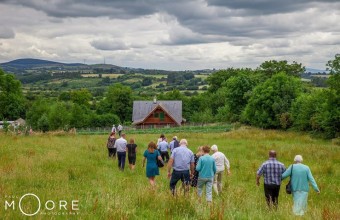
271	100
42	123
237	91
81	97
118	100
272	67
12	101
80	116
216	79
305	110
39	107
334	65
59	116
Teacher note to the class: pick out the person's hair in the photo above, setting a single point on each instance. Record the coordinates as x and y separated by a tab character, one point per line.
112	133
123	135
272	153
214	147
151	147
298	158
206	149
199	151
132	141
162	136
183	142
175	138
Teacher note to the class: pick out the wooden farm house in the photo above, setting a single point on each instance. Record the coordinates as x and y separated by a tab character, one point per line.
154	114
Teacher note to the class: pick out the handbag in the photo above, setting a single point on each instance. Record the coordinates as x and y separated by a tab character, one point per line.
160	163
289	185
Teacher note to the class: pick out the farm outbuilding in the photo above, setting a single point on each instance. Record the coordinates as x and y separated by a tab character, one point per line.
153	114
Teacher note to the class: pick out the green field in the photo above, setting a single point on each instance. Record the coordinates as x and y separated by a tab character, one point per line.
75	167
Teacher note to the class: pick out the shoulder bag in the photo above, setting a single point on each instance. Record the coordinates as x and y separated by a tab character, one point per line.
160	163
289	185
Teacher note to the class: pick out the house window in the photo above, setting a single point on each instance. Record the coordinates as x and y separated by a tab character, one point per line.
161	116
155	115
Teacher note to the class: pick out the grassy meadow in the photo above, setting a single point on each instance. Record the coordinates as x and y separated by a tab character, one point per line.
75	167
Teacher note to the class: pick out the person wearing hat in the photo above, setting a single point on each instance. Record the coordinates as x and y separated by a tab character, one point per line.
300	175
221	162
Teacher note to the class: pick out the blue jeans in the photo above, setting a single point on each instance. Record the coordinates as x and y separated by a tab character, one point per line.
208	182
121	160
179	175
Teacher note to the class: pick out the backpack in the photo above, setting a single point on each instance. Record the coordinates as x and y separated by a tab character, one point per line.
176	144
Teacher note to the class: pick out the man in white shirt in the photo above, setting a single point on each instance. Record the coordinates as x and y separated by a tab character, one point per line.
120	144
113	129
120	129
220	160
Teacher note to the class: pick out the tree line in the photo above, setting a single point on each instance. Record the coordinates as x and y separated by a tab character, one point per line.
271	96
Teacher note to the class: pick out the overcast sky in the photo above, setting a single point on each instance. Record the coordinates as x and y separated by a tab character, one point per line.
171	34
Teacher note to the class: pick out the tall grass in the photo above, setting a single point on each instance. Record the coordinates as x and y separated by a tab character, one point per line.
76	167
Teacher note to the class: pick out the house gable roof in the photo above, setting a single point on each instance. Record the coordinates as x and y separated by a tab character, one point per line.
142	109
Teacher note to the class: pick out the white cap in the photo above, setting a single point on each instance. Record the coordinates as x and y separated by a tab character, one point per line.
175	138
214	147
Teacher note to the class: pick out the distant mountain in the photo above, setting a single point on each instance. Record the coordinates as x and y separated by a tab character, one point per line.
38	67
34	63
311	70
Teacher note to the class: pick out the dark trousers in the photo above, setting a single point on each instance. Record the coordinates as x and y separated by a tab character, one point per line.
112	152
121	160
165	156
272	194
184	176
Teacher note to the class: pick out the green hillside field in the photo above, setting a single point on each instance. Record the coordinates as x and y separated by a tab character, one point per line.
61	169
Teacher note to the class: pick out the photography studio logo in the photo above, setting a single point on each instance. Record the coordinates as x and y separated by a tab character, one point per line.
30	204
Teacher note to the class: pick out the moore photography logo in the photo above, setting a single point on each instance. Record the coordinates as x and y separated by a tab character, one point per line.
30	204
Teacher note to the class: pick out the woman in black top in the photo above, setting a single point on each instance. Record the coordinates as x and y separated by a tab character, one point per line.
110	145
196	157
132	150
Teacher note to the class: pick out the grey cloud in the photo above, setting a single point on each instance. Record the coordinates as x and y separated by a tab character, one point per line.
6	33
257	7
109	45
88	8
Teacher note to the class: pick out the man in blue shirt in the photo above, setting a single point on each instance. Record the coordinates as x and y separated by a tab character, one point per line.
271	170
163	148
182	164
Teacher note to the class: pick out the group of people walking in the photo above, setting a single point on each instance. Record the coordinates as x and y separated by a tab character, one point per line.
204	170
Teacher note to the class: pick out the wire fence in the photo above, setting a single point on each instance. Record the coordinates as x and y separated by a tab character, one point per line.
186	128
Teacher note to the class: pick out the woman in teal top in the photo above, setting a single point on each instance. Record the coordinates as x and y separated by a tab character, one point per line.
206	168
300	177
151	155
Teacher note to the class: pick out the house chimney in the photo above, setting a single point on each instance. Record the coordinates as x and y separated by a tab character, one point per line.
154	100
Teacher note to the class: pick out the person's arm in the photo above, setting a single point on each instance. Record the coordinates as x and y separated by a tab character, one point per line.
144	161
198	166
227	164
258	180
136	149
170	163
214	167
258	175
192	169
287	173
312	181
